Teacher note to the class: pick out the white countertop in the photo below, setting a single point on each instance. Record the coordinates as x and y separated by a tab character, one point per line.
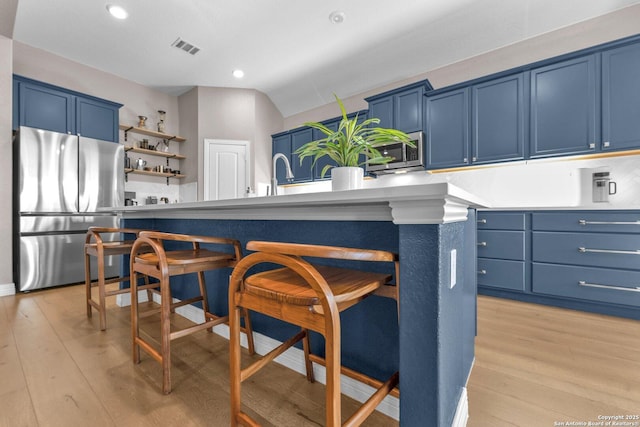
430	203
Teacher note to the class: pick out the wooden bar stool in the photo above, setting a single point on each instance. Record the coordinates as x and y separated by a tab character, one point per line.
161	265
99	245
312	297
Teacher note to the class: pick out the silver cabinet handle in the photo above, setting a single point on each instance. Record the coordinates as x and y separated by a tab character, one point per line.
482	271
482	221
609	251
592	145
482	243
606	144
585	222
617	288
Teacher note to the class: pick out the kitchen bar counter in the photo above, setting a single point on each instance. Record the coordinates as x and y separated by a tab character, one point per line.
431	226
411	204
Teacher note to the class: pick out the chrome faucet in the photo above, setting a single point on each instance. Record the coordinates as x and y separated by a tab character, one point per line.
274	180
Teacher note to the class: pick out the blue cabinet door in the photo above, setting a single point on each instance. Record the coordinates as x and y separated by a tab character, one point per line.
45	108
97	119
621	98
498	111
302	172
407	111
382	109
447	129
326	160
564	108
282	144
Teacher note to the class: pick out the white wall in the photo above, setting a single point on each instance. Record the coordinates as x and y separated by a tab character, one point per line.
613	26
6	90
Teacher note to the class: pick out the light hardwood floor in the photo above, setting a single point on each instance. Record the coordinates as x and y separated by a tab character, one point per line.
537	365
534	366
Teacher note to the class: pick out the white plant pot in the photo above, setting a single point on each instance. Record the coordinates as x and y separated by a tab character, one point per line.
346	178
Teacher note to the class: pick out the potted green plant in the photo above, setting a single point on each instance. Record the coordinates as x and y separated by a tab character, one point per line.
351	146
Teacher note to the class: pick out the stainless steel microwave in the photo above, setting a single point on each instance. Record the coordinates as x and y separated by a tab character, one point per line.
405	158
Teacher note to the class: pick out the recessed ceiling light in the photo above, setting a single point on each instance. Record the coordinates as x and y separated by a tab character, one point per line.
238	74
117	11
337	17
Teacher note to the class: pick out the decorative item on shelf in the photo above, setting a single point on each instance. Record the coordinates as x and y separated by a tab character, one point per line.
162	114
144	144
349	145
140	164
142	123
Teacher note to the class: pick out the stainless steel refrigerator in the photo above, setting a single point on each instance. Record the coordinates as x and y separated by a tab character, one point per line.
60	182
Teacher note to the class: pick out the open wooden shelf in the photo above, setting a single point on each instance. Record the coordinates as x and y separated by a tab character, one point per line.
154	153
152	133
152	173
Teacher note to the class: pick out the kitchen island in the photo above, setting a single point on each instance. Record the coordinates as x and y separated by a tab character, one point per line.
431	226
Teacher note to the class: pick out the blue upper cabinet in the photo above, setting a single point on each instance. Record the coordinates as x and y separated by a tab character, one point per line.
565	107
447	129
282	144
43	106
382	109
407	110
498	119
621	98
96	119
326	160
302	172
401	108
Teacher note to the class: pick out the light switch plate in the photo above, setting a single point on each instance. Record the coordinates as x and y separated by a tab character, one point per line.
454	262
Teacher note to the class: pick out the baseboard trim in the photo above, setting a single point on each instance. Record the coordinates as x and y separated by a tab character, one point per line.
7	289
462	411
293	358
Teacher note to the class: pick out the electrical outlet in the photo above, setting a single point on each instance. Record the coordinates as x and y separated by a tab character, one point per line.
452	273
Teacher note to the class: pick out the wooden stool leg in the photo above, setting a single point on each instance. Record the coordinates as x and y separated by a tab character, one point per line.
332	355
149	291
306	345
101	291
205	298
165	333
234	359
248	329
135	328
87	281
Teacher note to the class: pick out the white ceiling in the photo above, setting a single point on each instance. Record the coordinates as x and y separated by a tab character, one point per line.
288	49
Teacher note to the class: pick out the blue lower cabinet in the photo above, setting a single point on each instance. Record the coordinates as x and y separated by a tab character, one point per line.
587	283
587	221
584	260
501	220
587	249
503	274
501	244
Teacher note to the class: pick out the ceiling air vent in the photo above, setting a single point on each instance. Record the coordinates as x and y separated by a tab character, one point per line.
186	46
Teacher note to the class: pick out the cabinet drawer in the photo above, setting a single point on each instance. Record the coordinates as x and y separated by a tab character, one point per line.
595	284
611	222
501	244
590	249
501	273
501	220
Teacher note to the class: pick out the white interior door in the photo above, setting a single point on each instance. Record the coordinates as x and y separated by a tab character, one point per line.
226	169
